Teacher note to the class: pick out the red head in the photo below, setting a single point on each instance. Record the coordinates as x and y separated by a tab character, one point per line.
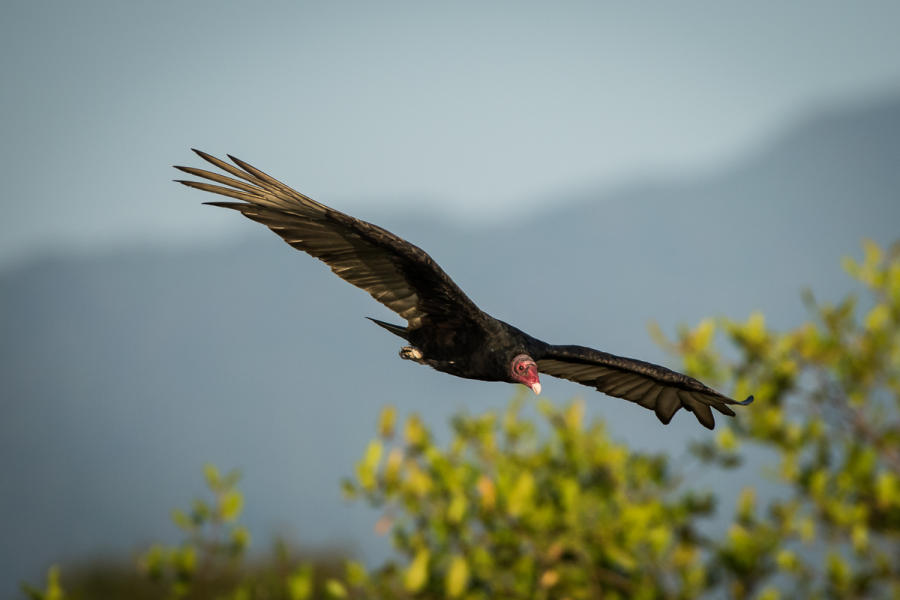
523	370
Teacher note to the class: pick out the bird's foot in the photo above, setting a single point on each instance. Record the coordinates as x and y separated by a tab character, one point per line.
411	353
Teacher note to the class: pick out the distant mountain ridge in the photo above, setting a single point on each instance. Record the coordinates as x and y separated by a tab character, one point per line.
122	374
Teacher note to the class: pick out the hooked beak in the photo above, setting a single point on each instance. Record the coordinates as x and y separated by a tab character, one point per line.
536	388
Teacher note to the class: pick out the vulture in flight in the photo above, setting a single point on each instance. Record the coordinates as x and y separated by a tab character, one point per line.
444	328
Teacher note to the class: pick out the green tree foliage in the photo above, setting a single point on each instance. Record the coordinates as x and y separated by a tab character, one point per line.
211	562
53	588
512	509
518	506
829	410
214	541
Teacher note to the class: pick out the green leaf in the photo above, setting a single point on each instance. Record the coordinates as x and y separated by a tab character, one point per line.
703	334
574	415
416	434
873	253
230	479
355	573
838	569
300	583
199	512
367	468
241	593
373	454
659	538
180	518
392	466
726	440
152	561
230	505
32	592
53	591
859	535
520	496
742	543
887	490
457	509
746	503
786	560
457	576
416	575
335	589
386	421
878	317
213	478
620	556
185	562
806	527
755	328
769	593
348	489
240	539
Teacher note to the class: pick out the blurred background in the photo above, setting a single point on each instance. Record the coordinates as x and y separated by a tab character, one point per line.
653	162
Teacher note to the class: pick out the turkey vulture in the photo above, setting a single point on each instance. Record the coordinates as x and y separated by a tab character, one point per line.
444	328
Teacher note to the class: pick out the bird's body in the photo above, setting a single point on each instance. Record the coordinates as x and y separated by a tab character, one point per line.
482	352
445	329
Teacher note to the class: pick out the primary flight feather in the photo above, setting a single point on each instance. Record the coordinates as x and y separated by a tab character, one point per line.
444	328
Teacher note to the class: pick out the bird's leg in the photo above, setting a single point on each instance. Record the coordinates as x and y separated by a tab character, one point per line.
417	356
411	353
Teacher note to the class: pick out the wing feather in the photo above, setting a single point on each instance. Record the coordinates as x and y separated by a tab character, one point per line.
394	272
654	387
701	410
648	398
625	387
667	405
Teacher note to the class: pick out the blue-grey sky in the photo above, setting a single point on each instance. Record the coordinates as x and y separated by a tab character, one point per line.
474	110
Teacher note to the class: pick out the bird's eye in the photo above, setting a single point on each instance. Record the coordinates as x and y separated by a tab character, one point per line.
520	367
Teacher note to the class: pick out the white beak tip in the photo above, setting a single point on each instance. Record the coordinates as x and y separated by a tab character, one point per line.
536	388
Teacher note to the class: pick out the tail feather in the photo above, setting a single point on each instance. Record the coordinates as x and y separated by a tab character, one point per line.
395	329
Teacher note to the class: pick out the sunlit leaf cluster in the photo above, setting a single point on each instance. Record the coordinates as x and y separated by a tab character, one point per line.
214	541
517	509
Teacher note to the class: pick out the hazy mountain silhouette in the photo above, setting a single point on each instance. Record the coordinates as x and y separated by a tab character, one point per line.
122	374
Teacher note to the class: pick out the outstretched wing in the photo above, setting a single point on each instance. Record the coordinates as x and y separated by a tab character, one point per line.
652	386
396	273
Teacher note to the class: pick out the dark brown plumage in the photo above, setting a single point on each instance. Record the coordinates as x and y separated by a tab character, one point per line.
445	328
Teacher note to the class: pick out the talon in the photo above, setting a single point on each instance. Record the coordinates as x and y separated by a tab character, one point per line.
410	353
